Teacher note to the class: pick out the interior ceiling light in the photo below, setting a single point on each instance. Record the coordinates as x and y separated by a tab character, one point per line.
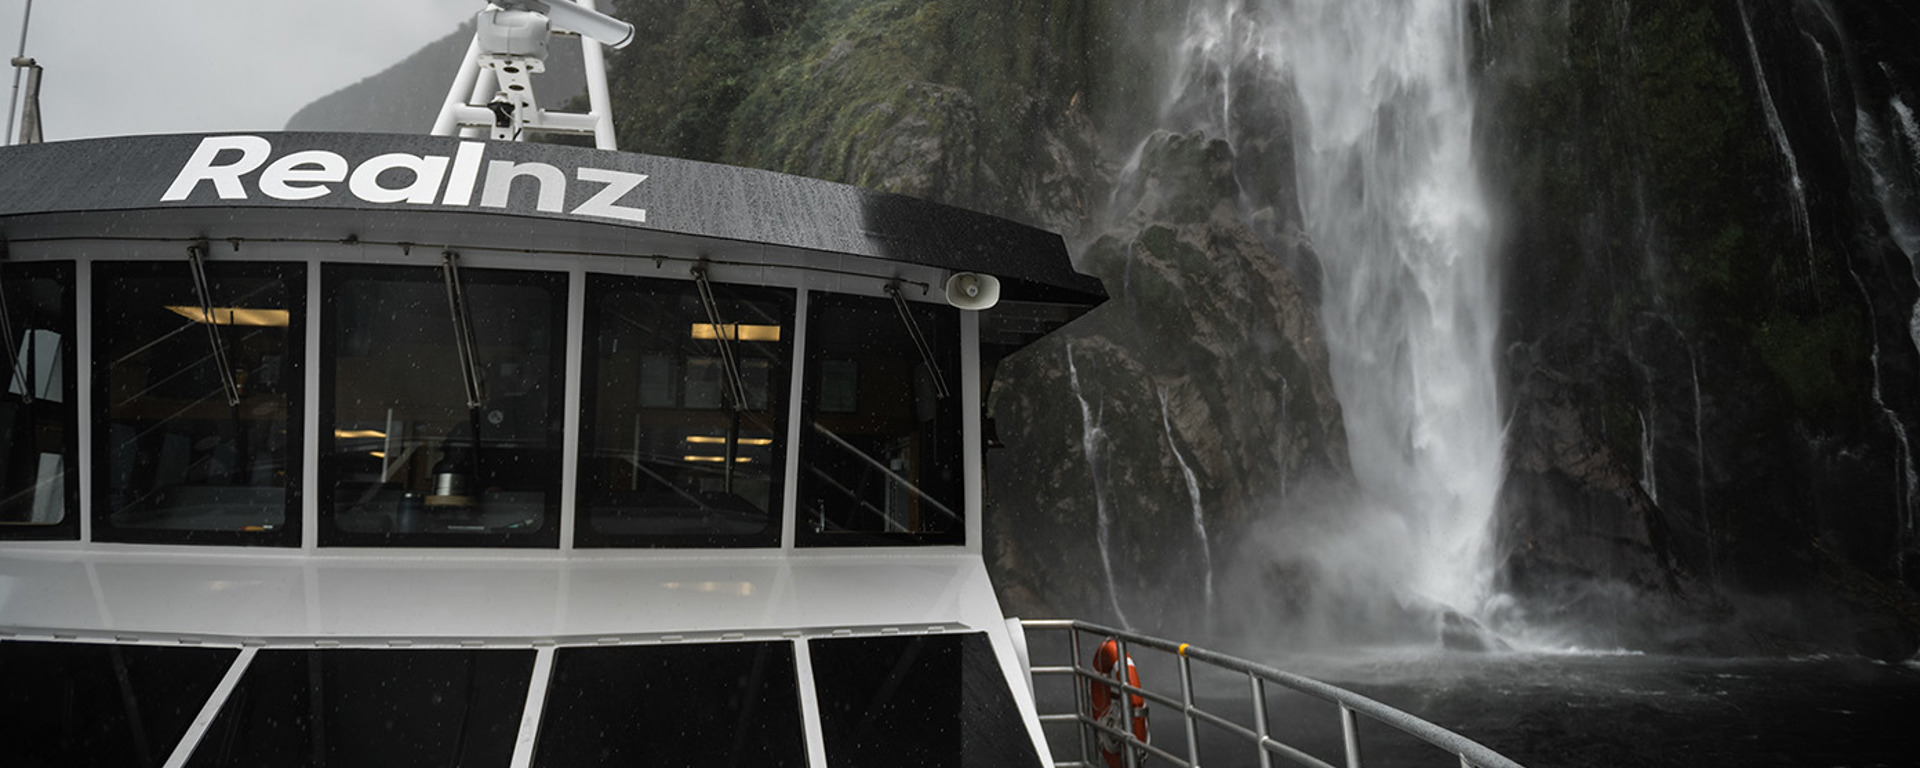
716	459
737	332
266	318
709	440
352	433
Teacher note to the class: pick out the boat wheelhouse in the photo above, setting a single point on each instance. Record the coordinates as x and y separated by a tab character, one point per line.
368	450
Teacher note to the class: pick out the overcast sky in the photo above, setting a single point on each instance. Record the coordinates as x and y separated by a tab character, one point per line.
118	67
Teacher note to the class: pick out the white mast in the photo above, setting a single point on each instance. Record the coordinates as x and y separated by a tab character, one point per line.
20	61
493	95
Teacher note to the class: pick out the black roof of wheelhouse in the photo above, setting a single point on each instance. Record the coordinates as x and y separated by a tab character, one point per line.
434	192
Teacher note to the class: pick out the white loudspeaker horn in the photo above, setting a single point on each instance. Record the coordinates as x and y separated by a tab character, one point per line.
972	290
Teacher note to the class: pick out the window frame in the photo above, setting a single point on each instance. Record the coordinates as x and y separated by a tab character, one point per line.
66	274
294	276
599	286
333	274
953	359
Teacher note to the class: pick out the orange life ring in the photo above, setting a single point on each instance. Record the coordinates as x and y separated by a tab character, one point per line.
1106	704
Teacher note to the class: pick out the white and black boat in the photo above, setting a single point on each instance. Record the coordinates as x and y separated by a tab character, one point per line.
379	450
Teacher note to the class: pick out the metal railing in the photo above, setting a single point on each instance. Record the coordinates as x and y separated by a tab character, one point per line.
1352	706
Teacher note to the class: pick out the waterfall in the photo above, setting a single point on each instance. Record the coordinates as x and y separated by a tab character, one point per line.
1779	131
1394	205
1091	436
1193	495
1700	464
1646	460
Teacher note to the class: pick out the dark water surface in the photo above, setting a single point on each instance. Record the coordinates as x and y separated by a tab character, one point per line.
1620	710
1584	710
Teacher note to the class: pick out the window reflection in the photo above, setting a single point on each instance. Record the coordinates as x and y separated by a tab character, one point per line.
84	705
921	700
191	454
713	705
880	457
674	453
38	430
352	708
405	459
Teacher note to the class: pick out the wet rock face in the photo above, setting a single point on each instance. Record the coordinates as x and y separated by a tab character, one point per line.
1167	385
1712	365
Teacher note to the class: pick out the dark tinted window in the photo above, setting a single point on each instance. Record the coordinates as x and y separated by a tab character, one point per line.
673	453
690	706
880	448
353	708
85	705
186	453
39	434
408	456
922	700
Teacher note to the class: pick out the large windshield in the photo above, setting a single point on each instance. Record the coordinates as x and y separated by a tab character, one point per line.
441	426
880	447
201	388
684	407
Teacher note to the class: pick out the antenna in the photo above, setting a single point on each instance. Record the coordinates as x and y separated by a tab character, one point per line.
493	91
14	99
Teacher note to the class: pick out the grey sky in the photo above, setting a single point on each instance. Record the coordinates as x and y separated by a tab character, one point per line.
149	66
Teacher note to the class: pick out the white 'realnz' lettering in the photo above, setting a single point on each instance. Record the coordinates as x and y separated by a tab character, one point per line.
312	173
500	176
226	178
427	173
315	167
466	169
603	203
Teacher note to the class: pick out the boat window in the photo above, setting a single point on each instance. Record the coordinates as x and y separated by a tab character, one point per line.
371	707
39	431
201	391
932	700
880	456
683	413
79	705
440	408
717	704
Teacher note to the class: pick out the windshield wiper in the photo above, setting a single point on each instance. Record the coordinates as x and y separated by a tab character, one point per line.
919	340
196	257
736	387
463	342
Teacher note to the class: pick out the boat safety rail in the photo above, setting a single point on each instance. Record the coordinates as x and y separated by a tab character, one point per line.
1352	706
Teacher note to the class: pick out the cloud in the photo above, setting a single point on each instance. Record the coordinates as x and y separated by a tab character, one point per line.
140	66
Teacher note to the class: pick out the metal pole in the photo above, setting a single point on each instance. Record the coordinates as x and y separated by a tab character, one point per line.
1129	756
599	104
1082	691
14	100
1350	732
1260	718
1186	699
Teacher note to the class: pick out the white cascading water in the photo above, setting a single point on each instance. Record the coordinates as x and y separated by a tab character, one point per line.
1795	185
1193	496
1383	121
1092	435
1396	211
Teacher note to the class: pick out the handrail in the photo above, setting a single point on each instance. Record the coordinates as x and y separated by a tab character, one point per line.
1471	754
